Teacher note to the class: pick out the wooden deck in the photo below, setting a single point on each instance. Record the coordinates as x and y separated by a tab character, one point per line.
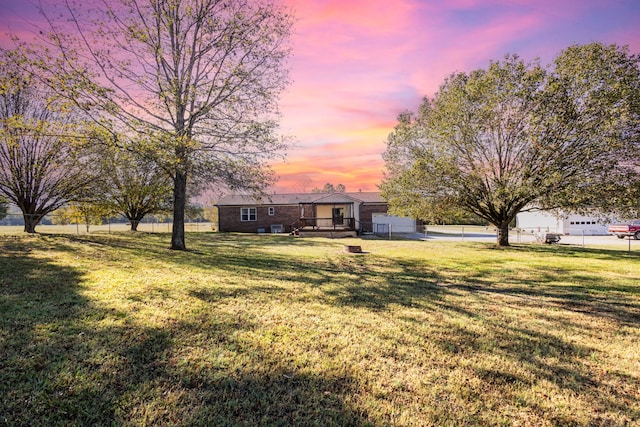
325	227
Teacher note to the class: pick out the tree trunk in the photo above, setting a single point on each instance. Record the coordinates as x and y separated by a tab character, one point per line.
503	234
134	224
30	222
179	203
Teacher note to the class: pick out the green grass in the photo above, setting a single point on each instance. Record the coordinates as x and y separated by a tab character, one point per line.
271	330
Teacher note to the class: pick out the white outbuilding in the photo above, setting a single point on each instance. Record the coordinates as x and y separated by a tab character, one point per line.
383	223
537	221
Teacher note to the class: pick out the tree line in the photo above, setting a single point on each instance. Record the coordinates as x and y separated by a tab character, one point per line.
133	105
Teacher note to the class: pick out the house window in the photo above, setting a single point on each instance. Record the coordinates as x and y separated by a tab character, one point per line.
248	214
272	211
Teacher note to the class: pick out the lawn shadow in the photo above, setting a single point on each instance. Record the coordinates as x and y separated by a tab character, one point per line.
122	372
567	251
40	311
64	360
278	398
588	296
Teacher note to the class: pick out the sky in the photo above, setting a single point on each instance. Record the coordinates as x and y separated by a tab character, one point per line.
357	64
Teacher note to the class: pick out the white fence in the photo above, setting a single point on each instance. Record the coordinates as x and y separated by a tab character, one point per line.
13	224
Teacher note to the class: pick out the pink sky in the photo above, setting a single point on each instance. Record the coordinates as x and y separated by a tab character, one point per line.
358	63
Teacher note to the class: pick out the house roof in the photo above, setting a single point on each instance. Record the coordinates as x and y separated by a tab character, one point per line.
298	198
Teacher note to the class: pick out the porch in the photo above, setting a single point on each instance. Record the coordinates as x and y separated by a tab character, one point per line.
335	223
334	215
325	227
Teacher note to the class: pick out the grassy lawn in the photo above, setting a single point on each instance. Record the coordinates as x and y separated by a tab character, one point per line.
270	330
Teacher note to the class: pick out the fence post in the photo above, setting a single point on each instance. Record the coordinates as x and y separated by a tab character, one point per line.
390	227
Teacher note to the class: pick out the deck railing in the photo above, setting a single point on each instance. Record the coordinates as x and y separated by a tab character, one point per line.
338	223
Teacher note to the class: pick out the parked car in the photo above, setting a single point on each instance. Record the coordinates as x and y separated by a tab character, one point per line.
623	230
548	238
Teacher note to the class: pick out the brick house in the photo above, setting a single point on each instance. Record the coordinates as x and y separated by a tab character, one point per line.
345	213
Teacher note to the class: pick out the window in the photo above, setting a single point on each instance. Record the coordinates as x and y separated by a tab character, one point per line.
248	214
272	211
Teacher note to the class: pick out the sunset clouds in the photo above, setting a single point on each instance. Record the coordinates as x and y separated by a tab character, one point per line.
356	64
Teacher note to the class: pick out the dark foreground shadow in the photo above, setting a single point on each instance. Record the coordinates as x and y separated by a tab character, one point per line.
66	361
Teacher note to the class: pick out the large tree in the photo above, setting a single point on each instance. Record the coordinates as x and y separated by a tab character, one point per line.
132	186
44	162
498	141
199	78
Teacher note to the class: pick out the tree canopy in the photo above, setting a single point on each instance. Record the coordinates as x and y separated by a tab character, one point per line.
132	186
44	159
516	135
196	80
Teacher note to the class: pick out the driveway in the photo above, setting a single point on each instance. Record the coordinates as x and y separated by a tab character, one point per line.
475	235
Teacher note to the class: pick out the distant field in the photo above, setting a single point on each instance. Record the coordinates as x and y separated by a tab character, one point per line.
116	329
105	228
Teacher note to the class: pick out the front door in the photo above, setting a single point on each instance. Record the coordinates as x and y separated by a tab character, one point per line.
338	216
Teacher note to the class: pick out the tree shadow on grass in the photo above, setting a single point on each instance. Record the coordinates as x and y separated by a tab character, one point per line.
548	355
66	361
40	304
588	296
373	282
128	373
379	285
153	376
545	358
278	398
358	281
342	280
566	251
